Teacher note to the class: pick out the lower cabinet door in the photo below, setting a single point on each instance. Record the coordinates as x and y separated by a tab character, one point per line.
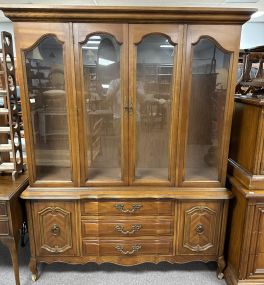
199	227
54	230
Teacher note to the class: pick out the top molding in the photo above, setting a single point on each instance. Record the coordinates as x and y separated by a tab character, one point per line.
49	13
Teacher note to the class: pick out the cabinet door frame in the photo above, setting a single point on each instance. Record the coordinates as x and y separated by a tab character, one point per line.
228	42
137	32
81	32
27	39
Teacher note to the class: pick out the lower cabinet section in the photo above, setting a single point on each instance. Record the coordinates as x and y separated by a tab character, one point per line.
245	261
128	248
133	232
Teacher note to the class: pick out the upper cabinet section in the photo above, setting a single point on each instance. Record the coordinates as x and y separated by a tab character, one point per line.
127	95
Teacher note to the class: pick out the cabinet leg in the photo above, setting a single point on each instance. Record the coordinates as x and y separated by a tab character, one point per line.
221	267
12	245
33	268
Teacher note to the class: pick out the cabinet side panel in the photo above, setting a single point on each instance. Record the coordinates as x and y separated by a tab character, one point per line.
235	228
244	135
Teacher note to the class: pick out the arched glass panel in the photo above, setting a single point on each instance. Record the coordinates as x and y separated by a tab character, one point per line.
47	97
155	56
103	103
210	67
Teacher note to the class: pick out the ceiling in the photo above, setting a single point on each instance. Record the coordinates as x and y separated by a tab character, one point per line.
259	4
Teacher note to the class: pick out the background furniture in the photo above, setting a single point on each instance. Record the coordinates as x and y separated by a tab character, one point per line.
155	190
12	215
245	262
252	76
10	120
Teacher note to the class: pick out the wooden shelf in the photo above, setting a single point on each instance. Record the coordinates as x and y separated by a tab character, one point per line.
3	111
5	147
3	93
7	166
4	130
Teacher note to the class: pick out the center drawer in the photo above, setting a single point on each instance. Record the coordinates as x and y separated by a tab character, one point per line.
127	227
127	248
127	207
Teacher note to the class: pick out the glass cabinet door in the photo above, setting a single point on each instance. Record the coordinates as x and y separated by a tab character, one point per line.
210	67
102	87
207	90
152	102
47	95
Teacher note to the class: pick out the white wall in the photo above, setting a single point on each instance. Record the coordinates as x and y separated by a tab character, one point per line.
252	35
8	27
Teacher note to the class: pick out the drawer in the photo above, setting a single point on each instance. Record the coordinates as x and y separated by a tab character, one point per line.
128	207
54	228
200	224
4	228
127	227
3	209
136	247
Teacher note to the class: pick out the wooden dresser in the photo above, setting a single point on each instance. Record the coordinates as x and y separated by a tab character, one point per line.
246	238
127	116
12	215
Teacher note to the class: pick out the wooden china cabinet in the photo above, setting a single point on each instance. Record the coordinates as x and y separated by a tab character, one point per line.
245	260
127	121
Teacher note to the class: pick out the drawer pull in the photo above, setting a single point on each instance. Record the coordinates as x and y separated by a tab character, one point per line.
120	207
55	230
135	248
199	229
135	228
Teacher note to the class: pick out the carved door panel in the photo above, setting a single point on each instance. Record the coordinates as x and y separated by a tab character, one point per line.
54	228
199	227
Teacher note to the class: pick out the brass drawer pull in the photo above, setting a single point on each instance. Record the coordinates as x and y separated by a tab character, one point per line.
199	229
55	230
135	248
120	207
135	228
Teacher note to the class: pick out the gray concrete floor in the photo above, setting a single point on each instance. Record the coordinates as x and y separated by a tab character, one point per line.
195	273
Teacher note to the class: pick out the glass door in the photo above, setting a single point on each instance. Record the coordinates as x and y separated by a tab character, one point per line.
154	70
207	104
47	95
102	64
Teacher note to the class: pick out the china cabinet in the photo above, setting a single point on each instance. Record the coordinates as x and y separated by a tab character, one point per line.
127	121
245	262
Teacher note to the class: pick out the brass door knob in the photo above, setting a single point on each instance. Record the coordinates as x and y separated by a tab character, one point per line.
55	230
199	229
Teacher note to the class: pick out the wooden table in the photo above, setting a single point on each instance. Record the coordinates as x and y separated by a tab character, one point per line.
12	215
